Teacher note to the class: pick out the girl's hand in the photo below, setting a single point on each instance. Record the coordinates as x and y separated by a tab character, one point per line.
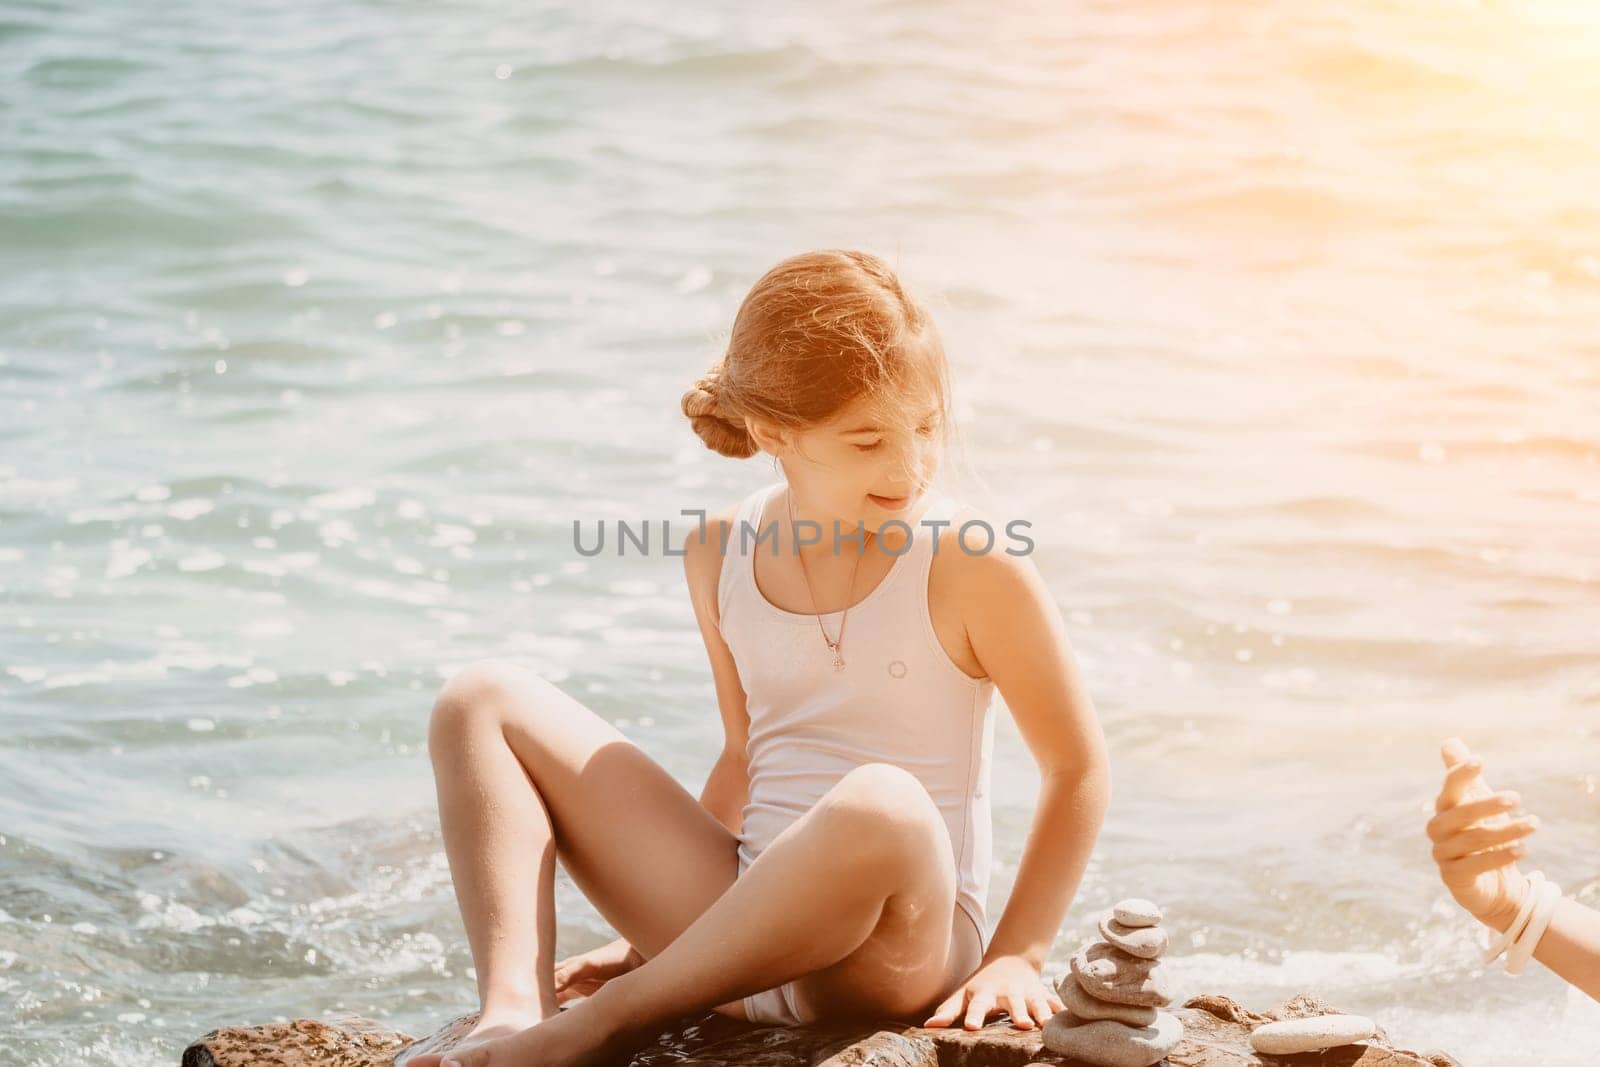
1006	983
581	975
1475	844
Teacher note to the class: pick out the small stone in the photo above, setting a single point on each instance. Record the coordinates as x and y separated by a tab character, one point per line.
1083	1006
1146	942
1136	911
1309	1035
1110	1044
1106	972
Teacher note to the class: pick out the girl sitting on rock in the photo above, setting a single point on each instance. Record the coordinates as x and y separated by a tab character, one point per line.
1476	846
858	622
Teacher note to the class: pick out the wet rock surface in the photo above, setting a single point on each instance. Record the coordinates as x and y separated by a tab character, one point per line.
1216	1033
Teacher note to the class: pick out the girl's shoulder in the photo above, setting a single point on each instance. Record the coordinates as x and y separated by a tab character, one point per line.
702	543
704	548
978	548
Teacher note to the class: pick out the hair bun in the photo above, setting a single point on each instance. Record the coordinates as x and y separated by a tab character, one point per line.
702	404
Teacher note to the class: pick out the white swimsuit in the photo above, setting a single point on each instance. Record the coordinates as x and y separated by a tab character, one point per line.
900	700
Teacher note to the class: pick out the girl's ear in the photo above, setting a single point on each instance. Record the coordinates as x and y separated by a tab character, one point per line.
767	438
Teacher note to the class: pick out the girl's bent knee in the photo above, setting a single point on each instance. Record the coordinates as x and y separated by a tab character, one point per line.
878	778
885	810
887	792
483	688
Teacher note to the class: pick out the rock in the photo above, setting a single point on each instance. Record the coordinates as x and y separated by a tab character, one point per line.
1106	958
1146	942
881	1049
1083	1006
1216	1033
707	1039
1312	1034
1136	911
344	1040
1112	1044
1107	973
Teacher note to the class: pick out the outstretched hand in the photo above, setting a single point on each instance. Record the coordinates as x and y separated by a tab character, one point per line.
1476	844
583	974
1007	983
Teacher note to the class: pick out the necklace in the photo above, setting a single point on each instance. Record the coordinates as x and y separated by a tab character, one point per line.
833	643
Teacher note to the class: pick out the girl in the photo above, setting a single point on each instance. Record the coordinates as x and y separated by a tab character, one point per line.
836	864
1476	848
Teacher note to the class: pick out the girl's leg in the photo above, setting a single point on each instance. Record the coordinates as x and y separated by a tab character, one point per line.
857	895
855	899
525	772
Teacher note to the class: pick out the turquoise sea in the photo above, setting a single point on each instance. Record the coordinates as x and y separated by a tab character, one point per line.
320	325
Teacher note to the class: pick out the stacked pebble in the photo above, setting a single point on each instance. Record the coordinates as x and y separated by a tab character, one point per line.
1113	991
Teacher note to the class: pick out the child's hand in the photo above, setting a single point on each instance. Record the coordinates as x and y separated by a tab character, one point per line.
1007	983
581	975
1475	843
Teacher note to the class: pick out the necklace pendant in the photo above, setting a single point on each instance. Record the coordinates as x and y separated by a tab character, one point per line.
838	661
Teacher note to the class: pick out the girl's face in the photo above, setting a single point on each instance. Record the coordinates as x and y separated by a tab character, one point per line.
852	469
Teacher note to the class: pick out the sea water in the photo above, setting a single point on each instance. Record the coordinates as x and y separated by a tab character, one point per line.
320	325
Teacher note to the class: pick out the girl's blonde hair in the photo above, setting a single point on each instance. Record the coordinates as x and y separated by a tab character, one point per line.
819	331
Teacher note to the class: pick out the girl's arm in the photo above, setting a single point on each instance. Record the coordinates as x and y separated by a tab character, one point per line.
727	787
1018	635
1571	945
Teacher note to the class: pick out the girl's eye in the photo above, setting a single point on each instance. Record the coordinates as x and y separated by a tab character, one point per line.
925	431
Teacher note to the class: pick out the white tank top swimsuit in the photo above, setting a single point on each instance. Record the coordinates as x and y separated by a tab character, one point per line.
900	699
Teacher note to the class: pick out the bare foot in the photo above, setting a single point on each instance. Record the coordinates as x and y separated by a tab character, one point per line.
569	1038
486	1029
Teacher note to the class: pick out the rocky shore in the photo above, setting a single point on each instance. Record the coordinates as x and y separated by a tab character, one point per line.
1216	1033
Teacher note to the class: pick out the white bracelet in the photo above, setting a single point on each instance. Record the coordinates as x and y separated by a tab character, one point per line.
1521	950
1530	894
